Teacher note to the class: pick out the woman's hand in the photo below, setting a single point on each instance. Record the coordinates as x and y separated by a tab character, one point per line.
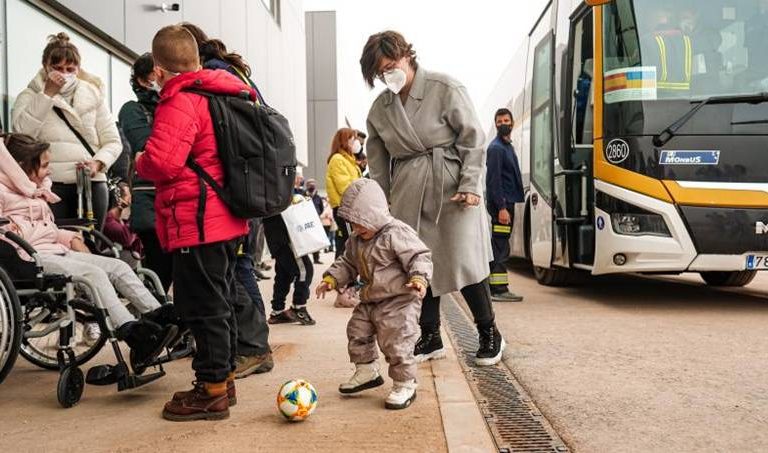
467	199
78	245
94	166
53	83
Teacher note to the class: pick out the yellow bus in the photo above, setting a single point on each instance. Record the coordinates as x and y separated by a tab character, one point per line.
641	127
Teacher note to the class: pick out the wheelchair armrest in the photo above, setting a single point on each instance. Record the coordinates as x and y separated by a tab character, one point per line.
75	222
18	240
4	221
95	235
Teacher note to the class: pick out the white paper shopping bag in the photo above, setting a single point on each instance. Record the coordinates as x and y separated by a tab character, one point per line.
305	229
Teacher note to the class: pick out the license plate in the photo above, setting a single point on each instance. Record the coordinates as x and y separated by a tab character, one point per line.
757	262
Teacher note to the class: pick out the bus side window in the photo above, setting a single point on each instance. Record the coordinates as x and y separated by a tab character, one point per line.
582	82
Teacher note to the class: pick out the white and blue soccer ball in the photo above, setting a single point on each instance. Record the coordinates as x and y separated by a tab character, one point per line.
296	400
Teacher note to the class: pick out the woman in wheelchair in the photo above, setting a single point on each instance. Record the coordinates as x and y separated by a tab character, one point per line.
24	197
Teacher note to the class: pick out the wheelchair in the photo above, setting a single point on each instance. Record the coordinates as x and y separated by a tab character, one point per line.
44	317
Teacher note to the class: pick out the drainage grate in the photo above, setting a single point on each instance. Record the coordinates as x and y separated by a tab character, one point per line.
514	421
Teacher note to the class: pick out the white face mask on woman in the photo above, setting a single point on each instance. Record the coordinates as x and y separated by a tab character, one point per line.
355	146
154	86
395	80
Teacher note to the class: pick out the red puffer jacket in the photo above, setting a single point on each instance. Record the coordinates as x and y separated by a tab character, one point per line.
183	128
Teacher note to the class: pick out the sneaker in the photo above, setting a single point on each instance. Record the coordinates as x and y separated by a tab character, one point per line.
198	404
506	296
402	395
429	346
366	377
253	364
231	393
146	339
491	346
91	333
302	315
282	317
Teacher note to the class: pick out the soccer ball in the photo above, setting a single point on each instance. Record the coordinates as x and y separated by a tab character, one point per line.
296	400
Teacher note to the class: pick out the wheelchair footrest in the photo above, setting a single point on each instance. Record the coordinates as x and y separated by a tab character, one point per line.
133	381
107	374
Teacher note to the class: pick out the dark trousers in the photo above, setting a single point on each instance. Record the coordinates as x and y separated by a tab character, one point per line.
291	270
342	234
252	329
331	238
67	207
155	258
478	297
500	234
203	284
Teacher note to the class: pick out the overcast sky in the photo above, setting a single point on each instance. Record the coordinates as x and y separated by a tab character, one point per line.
473	41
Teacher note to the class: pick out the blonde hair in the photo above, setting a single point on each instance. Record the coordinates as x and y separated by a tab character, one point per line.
175	49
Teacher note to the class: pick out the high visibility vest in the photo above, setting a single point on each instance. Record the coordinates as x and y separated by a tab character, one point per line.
675	75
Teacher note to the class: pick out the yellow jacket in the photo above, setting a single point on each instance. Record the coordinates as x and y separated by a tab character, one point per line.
342	171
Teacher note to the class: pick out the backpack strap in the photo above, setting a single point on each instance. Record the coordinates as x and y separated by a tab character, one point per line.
79	136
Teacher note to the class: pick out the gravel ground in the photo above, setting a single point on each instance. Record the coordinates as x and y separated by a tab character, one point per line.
641	364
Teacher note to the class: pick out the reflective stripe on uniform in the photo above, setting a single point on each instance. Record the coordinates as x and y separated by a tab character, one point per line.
498	279
506	229
663	82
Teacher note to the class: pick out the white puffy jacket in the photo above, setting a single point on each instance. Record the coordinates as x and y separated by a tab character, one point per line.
33	115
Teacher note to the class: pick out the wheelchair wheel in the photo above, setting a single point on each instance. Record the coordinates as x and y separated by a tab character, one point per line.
71	386
42	351
10	325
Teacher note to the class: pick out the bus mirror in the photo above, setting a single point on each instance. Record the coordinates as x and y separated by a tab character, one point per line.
597	2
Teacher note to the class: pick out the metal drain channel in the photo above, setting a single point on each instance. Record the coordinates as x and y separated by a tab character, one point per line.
515	423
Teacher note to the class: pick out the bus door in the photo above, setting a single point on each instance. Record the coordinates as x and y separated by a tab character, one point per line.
542	148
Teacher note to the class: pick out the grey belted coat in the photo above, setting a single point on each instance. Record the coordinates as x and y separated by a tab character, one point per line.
422	154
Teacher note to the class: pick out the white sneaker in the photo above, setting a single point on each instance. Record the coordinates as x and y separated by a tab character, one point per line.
366	377
91	334
402	395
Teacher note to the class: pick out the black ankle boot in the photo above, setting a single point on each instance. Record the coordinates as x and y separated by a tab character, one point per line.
491	345
430	345
146	339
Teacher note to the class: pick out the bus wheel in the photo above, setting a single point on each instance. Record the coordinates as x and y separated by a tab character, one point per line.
558	277
736	278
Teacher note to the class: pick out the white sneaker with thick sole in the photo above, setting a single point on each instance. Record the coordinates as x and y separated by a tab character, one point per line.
91	333
402	395
366	377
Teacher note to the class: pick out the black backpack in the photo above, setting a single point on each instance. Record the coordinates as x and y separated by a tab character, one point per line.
257	152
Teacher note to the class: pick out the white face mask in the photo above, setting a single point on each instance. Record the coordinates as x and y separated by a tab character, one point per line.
70	79
356	146
395	80
154	86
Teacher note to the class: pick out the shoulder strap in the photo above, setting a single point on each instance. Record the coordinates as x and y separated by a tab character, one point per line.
63	117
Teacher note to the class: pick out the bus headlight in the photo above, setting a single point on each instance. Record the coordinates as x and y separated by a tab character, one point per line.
639	224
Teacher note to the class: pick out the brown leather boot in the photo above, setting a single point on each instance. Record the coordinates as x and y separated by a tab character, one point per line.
231	393
206	401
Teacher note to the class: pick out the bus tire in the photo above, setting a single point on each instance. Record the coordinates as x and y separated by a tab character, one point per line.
558	277
735	278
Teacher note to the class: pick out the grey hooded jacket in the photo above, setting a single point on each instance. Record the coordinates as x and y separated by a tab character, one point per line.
389	260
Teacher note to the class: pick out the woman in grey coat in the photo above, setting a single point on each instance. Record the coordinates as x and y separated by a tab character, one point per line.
425	149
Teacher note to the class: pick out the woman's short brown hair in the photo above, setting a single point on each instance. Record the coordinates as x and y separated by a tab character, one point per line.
59	49
25	150
340	142
389	44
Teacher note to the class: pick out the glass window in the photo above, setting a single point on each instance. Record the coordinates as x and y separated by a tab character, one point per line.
658	49
28	31
121	85
541	121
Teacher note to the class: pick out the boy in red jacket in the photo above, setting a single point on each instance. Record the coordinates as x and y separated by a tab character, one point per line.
192	221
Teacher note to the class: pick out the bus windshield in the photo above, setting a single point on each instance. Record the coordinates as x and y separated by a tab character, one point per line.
684	49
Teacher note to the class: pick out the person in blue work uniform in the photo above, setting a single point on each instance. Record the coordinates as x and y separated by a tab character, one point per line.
504	188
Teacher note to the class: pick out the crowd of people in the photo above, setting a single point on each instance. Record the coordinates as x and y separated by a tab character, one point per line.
401	214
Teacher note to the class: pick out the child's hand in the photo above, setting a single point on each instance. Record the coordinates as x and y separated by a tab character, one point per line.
322	289
418	288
